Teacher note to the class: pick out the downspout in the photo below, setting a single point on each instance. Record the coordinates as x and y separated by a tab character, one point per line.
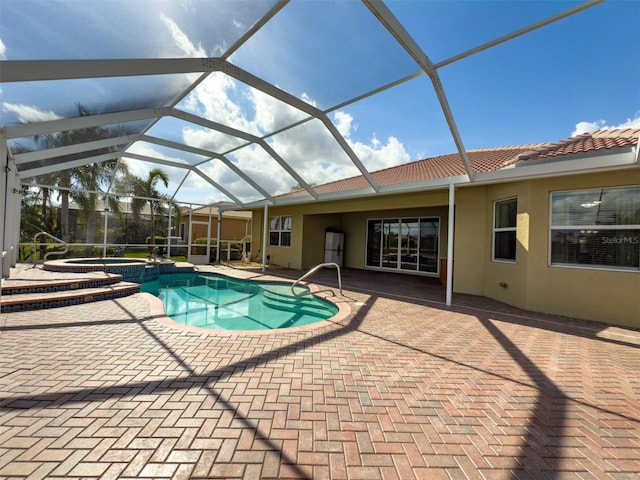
452	190
265	224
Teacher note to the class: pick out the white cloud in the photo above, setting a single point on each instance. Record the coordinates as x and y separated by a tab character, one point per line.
344	123
377	155
181	40
3	50
255	163
308	148
587	127
29	114
212	99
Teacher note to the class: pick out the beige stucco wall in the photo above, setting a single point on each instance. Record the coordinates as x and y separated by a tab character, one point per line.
313	236
289	257
474	270
309	222
593	294
529	283
356	227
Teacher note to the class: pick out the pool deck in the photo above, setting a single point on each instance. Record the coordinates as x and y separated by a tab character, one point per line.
402	387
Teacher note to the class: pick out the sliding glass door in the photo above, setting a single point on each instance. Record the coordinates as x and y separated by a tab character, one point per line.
389	243
407	244
429	244
409	241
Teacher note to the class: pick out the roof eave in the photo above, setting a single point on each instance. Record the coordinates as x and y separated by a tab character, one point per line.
554	167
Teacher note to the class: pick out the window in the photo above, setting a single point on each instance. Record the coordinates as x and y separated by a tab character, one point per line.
597	228
408	244
505	213
280	231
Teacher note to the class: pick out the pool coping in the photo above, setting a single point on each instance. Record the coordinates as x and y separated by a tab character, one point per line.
96	262
159	314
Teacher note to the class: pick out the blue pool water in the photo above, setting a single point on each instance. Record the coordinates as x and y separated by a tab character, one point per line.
219	302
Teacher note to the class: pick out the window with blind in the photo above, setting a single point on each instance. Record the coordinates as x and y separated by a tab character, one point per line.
505	213
597	228
280	231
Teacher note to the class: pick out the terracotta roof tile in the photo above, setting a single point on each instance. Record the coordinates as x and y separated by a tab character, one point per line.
482	160
585	143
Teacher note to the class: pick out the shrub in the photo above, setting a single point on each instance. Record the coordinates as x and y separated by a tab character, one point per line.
158	240
203	241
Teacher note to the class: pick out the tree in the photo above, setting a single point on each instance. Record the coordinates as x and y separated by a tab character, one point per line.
146	193
85	184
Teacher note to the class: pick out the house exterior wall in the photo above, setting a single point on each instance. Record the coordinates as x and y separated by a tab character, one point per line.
530	282
313	236
309	222
595	294
609	296
356	228
475	272
232	228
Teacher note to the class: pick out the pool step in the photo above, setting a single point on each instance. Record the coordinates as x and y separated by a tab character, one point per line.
303	304
37	290
58	283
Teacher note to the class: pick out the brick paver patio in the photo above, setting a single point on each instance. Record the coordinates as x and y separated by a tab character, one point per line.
400	389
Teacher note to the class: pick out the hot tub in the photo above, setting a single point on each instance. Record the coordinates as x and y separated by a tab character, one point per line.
132	269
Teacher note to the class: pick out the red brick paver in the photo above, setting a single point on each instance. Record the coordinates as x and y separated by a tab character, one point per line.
402	388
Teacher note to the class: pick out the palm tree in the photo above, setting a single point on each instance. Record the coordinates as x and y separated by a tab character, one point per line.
145	192
92	179
86	184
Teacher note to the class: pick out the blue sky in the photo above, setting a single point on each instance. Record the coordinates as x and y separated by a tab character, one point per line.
575	75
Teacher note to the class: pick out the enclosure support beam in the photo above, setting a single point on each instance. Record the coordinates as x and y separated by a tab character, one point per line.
4	201
452	193
219	235
395	28
106	226
265	225
169	228
10	208
209	240
190	235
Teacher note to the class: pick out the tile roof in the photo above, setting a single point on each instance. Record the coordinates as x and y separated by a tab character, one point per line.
585	143
482	160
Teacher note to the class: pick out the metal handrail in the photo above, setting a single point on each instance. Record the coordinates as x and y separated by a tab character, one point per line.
56	239
312	271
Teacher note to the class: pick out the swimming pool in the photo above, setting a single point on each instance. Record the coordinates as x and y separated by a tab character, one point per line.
218	302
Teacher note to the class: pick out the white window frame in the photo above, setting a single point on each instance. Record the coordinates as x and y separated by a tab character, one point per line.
280	230
599	227
495	230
